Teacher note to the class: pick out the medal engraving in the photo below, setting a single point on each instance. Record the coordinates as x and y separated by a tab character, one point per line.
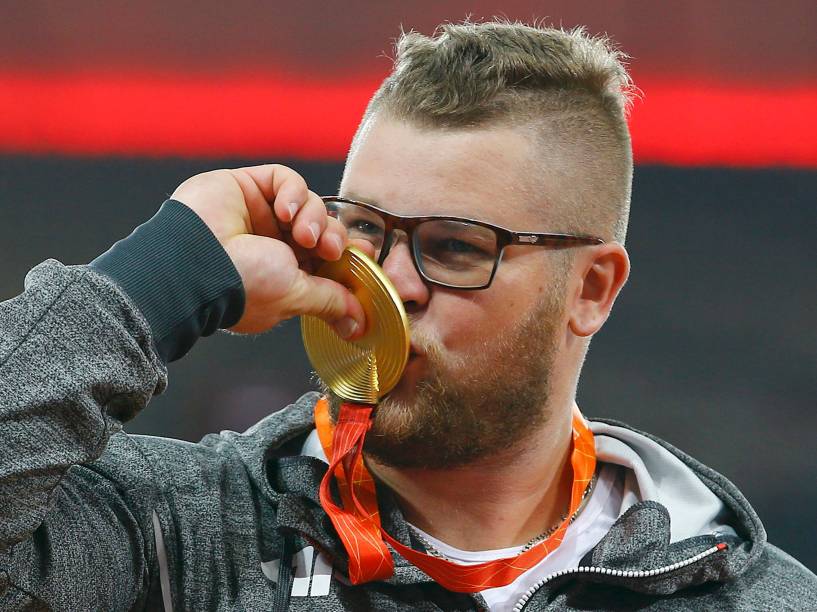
366	369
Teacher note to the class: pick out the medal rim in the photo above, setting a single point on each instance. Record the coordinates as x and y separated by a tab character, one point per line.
314	330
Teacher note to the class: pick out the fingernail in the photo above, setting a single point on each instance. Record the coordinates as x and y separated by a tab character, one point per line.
292	207
315	230
335	239
346	327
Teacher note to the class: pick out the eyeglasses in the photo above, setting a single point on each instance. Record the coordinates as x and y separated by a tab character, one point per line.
447	251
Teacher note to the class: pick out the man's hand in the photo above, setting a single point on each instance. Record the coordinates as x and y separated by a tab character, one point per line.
276	232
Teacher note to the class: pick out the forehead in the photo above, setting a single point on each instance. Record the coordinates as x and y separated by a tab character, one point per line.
483	173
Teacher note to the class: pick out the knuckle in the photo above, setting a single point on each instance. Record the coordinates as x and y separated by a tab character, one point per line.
314	202
338	228
334	225
333	308
288	183
293	178
332	302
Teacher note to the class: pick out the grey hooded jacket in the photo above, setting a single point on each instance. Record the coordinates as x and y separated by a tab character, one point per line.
92	518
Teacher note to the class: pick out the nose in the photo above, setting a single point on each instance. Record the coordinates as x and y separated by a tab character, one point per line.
399	267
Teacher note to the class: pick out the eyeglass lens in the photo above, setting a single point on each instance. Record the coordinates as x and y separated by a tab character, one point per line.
455	253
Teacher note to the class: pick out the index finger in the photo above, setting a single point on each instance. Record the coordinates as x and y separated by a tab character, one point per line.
283	189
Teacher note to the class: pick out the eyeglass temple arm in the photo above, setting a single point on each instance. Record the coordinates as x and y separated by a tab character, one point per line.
557	240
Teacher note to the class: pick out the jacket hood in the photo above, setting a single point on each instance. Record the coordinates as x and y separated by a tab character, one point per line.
675	508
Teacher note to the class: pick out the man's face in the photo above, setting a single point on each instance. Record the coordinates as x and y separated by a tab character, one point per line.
481	365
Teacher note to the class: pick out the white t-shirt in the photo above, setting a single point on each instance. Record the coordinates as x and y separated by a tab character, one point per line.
601	511
592	524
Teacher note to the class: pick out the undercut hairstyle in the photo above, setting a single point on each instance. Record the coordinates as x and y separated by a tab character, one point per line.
568	91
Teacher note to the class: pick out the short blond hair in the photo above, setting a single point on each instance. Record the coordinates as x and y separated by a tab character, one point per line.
470	75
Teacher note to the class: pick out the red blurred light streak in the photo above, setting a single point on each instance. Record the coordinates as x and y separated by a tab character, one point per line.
281	117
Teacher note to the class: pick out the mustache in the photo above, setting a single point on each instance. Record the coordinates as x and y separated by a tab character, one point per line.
429	344
423	340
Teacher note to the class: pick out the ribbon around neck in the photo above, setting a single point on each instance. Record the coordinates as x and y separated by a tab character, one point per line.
357	520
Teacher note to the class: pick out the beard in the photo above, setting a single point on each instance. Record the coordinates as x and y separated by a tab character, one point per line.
467	410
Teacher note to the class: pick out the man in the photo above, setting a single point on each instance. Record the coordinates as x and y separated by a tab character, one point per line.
491	489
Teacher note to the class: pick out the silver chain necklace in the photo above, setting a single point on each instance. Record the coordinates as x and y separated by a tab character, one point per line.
533	542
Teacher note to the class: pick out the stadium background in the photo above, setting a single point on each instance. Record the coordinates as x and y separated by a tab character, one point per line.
106	107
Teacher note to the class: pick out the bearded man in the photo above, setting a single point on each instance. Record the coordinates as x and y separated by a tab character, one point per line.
490	177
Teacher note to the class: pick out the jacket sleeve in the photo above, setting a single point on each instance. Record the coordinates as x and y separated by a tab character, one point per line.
79	355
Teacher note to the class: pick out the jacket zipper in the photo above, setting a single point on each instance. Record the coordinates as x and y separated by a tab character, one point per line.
589	569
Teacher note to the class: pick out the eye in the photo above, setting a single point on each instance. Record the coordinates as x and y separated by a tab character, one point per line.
458	252
456	242
459	247
360	223
362	226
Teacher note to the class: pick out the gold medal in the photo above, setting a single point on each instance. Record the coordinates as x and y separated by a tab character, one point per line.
366	369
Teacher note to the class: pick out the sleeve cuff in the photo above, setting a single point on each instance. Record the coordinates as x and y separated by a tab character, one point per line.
179	276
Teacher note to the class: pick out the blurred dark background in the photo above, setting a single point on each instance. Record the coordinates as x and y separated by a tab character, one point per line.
712	344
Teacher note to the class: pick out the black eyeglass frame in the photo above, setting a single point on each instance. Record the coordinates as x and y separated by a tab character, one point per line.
504	237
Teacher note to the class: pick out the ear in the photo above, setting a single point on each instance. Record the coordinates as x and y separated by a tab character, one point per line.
603	272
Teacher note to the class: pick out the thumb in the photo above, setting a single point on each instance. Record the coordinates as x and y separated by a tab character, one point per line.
332	302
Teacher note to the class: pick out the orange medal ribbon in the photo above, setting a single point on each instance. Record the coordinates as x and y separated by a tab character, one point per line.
358	520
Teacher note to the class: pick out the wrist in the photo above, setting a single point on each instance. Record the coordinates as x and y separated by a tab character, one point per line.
180	277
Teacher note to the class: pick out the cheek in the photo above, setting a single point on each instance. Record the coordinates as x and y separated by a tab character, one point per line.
465	322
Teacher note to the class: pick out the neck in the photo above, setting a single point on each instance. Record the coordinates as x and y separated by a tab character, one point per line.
503	501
